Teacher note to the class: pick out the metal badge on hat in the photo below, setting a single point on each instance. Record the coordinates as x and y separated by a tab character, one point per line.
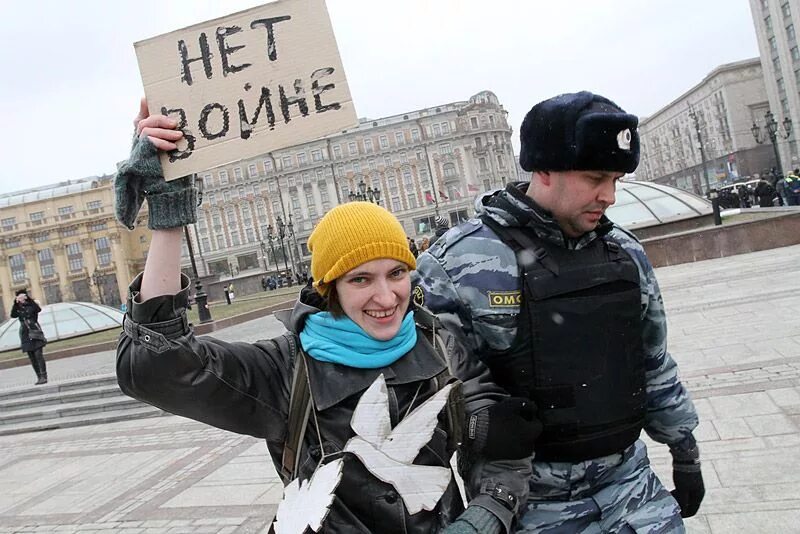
624	139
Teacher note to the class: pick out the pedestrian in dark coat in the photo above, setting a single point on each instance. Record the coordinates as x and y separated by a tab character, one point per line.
32	341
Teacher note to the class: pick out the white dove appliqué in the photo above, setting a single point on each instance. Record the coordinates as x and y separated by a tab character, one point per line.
387	453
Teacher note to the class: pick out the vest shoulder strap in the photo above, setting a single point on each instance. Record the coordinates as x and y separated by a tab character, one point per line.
522	242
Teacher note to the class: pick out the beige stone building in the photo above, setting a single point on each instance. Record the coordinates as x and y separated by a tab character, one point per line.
63	243
776	23
725	104
423	162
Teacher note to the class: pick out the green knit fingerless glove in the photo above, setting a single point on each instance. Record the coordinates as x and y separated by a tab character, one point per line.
170	204
475	520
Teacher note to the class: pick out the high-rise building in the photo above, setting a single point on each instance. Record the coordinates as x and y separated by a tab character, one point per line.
420	163
721	110
776	23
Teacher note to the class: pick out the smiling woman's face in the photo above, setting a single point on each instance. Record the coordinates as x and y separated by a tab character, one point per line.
375	295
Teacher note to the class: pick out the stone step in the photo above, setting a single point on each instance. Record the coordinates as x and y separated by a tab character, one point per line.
112	416
60	397
59	386
75	408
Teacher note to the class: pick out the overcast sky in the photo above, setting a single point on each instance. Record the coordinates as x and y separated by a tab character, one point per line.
70	81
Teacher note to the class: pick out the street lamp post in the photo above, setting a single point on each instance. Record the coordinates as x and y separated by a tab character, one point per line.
264	255
366	194
773	133
98	278
296	247
281	235
271	238
200	297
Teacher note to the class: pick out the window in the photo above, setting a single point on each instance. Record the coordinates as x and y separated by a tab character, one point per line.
252	170
69	232
14	242
215	221
65	212
399	138
437	130
8	223
790	35
17	262
356	167
316	155
207	180
237	174
287	162
41	238
415	135
445	128
226	196
97	227
396	206
295	202
352	149
94	205
392	182
235	238
268	165
340	170
371	164
407	179
473	121
223	177
103	249
787	12
367	145
478	143
337	151
212	199
250	235
384	141
425	224
220	241
36	217
246	217
74	257
445	148
768	23
387	161
795	53
482	164
491	121
46	263
301	158
261	209
419	155
205	244
412	201
501	162
773	46
449	170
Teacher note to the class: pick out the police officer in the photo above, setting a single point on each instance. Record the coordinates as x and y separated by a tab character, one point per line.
564	308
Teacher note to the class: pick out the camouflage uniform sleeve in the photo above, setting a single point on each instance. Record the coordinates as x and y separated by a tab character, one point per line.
671	415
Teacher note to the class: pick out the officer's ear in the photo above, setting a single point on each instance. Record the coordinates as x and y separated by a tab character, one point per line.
544	177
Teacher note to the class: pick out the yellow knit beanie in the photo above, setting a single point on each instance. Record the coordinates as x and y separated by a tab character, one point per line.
351	234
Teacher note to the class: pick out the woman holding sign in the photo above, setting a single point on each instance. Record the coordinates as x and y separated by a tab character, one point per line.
360	414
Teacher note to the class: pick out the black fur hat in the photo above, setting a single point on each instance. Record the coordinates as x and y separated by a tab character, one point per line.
579	132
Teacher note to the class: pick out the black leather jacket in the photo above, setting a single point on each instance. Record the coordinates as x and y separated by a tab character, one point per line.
245	388
27	313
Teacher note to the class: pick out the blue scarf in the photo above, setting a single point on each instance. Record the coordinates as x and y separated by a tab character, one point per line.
342	341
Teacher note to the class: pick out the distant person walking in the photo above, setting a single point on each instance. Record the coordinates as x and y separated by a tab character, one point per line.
32	340
442	226
793	188
227	293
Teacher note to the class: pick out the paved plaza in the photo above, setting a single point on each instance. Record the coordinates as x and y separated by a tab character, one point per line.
733	330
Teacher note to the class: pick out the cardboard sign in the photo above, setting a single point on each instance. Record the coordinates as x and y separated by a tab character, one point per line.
246	84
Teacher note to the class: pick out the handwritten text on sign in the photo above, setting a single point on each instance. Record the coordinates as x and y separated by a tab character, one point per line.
247	84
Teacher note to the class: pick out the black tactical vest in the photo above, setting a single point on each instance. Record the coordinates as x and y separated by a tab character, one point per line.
578	351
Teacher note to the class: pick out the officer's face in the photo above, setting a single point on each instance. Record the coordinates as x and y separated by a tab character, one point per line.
376	295
578	199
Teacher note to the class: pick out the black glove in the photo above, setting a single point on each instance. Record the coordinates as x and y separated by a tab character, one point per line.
170	204
689	489
504	431
475	520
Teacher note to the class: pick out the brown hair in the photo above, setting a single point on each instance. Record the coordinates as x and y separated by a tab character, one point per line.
332	300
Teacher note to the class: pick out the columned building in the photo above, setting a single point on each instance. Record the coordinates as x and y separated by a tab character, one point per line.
721	109
63	243
776	23
258	213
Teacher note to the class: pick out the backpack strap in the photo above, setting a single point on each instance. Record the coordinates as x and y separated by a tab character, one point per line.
299	409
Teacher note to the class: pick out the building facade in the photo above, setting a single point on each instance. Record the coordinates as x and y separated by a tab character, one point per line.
776	23
422	163
721	110
63	243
